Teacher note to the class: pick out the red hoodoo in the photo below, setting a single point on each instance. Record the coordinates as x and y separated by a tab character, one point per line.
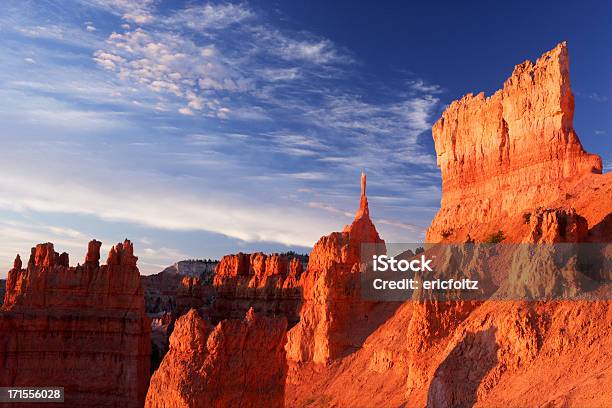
332	305
82	328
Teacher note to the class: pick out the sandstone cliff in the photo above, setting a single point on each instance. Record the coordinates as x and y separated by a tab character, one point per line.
510	162
509	153
235	364
334	320
83	328
267	283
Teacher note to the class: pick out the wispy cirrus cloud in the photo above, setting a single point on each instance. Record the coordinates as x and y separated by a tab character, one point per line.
137	11
205	17
208	118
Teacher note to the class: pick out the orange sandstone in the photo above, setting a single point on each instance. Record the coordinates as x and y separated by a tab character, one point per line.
333	319
511	152
267	283
235	364
82	328
510	162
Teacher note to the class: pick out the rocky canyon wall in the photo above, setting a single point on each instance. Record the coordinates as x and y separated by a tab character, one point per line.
83	328
267	283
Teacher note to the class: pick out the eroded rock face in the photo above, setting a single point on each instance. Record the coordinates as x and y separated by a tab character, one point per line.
83	327
510	152
557	225
238	363
530	178
333	318
170	292
267	283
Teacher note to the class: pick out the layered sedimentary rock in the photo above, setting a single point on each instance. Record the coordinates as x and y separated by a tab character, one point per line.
196	268
238	363
334	320
556	225
179	287
267	283
83	328
530	178
510	152
175	294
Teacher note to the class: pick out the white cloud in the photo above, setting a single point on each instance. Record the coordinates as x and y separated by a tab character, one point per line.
294	47
137	11
167	62
17	237
177	209
421	86
48	113
315	124
170	255
185	111
210	16
280	74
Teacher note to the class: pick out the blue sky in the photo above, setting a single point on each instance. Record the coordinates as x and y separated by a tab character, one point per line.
198	129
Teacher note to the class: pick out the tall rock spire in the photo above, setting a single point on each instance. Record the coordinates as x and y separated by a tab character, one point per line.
363	200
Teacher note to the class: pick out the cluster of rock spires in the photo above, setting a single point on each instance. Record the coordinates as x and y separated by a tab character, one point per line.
264	332
83	328
267	283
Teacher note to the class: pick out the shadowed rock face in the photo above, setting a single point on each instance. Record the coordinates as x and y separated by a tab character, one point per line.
509	153
83	328
238	363
333	318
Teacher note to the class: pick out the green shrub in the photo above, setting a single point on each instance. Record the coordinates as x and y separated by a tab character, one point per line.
495	238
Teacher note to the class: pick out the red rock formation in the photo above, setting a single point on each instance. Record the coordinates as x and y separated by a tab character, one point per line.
163	290
168	295
235	364
333	319
557	225
509	153
267	283
510	162
82	328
